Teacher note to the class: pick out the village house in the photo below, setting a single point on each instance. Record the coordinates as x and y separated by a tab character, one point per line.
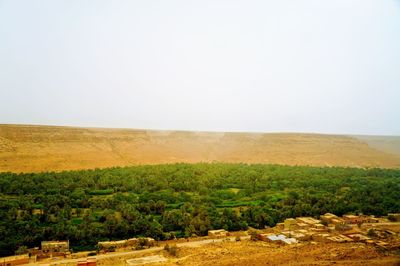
87	262
289	224
149	241
302	226
280	226
263	237
114	244
295	234
336	221
349	228
218	233
394	217
359	237
320	227
55	246
321	237
289	241
370	219
351	219
343	227
327	217
131	242
279	239
308	220
340	238
357	219
14	260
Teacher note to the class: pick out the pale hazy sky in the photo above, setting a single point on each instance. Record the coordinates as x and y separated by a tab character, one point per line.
302	66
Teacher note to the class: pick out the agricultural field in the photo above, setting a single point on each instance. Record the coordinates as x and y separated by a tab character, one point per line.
180	200
26	148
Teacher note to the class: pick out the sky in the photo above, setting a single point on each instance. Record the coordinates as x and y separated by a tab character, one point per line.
254	66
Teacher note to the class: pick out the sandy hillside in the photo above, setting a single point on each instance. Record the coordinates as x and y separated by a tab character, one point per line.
43	148
389	144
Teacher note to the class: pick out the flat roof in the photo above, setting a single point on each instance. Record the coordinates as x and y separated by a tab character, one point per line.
54	242
12	258
350	216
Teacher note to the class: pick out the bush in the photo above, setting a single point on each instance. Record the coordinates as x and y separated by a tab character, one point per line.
21	250
111	249
102	192
143	242
171	249
371	233
253	235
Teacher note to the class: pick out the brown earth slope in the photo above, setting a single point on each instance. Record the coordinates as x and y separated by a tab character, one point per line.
43	148
261	253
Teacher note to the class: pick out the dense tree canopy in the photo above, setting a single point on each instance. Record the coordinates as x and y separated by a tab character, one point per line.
180	200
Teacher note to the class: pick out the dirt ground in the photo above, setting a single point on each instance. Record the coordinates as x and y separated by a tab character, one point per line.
262	253
259	253
228	251
45	148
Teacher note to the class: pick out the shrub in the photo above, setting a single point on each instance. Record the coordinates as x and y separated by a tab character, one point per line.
111	249
371	233
253	235
143	242
102	192
21	250
171	249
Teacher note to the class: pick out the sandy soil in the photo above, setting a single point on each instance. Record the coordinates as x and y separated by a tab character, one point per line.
247	252
261	253
227	251
45	148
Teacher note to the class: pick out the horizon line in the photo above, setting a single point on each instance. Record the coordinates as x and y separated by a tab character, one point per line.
200	131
